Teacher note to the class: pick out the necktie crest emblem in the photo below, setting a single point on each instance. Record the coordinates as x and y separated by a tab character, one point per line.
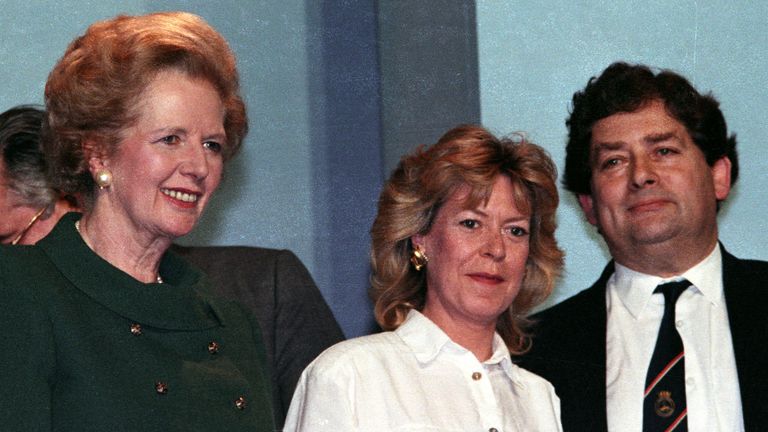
665	405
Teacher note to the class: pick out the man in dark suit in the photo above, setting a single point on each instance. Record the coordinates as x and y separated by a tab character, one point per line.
295	321
650	161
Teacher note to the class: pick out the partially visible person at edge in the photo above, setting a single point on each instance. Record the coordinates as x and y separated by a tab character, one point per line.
462	247
109	331
651	162
29	207
295	321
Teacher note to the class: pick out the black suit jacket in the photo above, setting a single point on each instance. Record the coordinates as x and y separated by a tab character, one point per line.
295	321
569	346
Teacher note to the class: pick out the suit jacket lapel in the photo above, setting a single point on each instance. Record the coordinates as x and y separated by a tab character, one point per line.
598	326
569	350
580	375
746	297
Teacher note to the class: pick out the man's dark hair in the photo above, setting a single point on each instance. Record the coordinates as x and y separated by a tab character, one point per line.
626	88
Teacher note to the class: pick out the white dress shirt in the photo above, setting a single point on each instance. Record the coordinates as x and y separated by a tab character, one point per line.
701	318
417	379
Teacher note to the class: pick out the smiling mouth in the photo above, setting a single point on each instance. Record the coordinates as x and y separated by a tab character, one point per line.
647	206
487	278
181	196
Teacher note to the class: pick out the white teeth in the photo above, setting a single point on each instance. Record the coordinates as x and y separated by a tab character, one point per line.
181	196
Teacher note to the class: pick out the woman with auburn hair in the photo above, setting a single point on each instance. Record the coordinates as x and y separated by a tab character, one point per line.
110	332
462	248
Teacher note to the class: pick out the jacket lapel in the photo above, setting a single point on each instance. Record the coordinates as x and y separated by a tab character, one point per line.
597	325
745	284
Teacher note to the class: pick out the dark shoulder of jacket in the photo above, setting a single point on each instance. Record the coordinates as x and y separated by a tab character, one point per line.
206	257
754	268
567	310
24	271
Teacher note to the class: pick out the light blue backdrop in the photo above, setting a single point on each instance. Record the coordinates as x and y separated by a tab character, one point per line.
534	55
311	168
309	173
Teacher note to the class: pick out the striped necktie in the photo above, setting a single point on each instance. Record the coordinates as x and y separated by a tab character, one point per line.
664	406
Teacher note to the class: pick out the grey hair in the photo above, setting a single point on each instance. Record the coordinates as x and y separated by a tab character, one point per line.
22	156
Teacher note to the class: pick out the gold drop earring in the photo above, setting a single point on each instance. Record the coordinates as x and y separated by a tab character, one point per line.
418	258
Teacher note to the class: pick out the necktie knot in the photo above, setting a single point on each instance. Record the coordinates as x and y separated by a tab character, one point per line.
672	290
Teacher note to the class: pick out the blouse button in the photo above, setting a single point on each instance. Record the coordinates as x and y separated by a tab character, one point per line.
240	403
493	430
161	387
136	329
476	376
213	347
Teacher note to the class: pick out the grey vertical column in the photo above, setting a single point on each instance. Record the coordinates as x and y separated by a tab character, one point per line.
346	156
429	73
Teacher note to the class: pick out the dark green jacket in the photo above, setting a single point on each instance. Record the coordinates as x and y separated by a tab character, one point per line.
89	348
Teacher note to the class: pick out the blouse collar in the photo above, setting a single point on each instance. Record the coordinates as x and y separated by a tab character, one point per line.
426	340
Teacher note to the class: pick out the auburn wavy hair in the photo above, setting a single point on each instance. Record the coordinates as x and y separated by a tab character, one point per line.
92	92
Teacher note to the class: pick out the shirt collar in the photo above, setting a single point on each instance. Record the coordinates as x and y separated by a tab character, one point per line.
426	340
635	289
502	357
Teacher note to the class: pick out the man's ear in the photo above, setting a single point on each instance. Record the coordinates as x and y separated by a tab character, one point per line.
588	207
721	177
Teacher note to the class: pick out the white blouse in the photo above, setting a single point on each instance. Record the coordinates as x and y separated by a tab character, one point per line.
417	379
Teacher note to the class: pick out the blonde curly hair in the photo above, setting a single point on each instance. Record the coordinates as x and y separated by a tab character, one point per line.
424	180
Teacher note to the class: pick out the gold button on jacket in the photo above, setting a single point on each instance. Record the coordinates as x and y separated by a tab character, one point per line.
78	361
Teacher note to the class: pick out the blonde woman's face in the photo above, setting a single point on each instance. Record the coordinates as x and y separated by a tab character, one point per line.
477	257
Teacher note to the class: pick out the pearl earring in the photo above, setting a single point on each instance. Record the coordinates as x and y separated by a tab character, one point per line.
103	178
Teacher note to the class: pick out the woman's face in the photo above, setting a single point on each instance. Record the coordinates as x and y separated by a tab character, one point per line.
169	162
477	257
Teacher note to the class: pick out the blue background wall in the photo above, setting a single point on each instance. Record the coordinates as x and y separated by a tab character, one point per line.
534	55
337	90
310	171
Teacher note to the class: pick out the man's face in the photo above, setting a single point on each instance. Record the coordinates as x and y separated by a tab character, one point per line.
653	195
16	215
